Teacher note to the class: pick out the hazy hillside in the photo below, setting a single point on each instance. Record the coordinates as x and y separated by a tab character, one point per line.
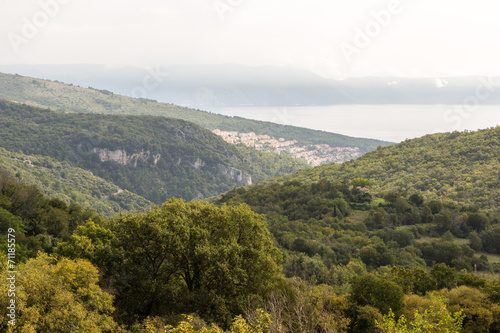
231	85
155	157
70	184
461	167
65	97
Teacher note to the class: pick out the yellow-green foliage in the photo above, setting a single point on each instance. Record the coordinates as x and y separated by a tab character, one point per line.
437	318
261	323
481	314
56	296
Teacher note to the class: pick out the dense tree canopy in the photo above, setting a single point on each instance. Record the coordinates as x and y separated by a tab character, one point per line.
211	259
173	158
56	296
458	167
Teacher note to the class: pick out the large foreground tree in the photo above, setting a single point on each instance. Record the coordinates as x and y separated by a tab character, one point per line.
183	258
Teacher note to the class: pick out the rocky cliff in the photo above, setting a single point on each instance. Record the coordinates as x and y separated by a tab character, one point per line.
121	156
235	174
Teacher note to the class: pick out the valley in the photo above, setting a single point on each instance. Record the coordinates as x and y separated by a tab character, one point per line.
232	166
150	216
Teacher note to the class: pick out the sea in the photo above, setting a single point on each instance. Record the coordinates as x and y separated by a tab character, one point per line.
393	123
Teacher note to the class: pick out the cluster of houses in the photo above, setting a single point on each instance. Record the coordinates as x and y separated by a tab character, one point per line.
314	154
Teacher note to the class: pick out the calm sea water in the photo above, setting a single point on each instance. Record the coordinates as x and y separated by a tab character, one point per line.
385	122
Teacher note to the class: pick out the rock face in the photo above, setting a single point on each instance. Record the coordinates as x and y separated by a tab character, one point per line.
121	156
124	158
199	163
235	174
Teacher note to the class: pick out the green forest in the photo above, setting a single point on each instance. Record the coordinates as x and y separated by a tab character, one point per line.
174	158
64	97
459	168
404	239
60	180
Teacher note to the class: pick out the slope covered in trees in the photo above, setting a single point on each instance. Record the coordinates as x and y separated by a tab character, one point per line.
339	254
322	225
154	157
392	248
39	222
59	96
139	272
60	180
75	271
459	168
424	201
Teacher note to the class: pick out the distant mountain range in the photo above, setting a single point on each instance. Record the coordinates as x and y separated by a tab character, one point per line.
212	86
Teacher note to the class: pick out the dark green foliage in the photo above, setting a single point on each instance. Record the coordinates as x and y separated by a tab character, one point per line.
477	221
314	224
70	184
39	222
444	276
378	292
435	206
298	201
366	318
475	242
304	219
416	199
180	258
490	239
413	281
154	157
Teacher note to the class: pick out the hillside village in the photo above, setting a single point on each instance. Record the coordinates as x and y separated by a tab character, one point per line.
314	155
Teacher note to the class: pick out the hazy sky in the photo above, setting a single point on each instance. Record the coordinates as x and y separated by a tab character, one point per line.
337	39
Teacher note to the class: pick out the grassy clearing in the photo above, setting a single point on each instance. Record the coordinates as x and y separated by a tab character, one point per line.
492	258
357	216
459	241
489	275
427	239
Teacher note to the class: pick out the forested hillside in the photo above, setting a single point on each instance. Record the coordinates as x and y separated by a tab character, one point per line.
393	197
59	96
70	184
154	157
459	168
342	261
405	236
427	210
325	224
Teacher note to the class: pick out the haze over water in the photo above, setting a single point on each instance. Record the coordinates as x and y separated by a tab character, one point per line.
385	122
